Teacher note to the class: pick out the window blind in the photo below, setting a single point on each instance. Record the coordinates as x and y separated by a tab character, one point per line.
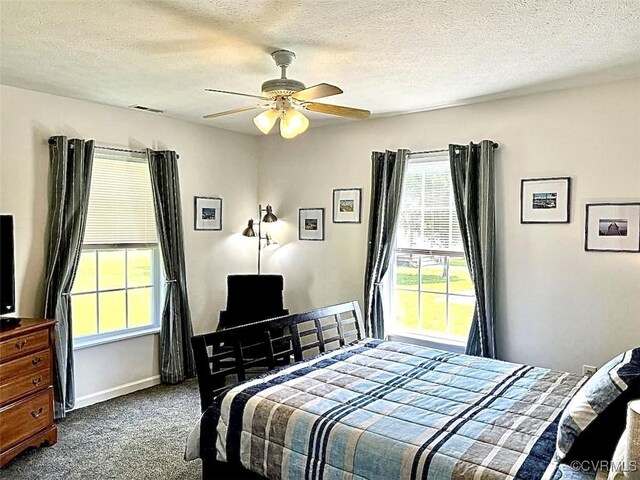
428	218
120	202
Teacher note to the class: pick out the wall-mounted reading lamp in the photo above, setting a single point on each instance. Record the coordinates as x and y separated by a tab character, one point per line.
269	217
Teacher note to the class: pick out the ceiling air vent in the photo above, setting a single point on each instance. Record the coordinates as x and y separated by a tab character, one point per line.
146	109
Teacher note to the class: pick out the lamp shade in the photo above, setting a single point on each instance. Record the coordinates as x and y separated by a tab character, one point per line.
292	123
249	231
266	120
269	217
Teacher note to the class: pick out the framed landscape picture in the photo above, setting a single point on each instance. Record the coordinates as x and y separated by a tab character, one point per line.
612	227
207	213
311	224
347	205
545	200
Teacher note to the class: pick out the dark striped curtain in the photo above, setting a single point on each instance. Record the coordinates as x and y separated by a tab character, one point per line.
472	175
70	178
387	176
176	356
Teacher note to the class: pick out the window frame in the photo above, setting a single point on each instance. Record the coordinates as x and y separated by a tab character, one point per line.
392	287
157	279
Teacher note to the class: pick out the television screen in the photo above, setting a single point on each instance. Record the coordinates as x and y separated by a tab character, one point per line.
7	280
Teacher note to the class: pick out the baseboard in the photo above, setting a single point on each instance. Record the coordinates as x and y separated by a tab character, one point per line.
118	391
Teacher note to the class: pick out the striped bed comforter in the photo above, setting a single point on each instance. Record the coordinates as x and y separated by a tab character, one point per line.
388	410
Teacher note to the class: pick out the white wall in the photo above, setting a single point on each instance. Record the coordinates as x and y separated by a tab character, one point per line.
558	306
212	162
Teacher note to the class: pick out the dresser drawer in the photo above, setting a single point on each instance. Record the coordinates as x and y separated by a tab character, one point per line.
22	419
23	385
26	365
23	344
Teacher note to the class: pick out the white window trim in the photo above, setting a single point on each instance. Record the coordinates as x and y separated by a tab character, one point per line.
427	341
393	331
111	337
158	282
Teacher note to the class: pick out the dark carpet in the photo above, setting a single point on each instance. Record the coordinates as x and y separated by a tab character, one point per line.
137	436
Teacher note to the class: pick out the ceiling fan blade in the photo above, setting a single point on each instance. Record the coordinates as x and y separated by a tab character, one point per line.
317	91
236	93
229	112
347	112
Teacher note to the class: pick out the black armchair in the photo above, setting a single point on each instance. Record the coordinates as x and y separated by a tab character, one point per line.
251	298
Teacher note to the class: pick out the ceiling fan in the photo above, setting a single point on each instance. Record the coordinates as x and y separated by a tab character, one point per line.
281	96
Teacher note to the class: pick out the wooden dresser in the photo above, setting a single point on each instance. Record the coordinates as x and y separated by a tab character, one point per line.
26	392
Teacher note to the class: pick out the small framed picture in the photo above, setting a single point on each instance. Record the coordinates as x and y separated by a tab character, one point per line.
347	205
545	200
207	213
612	227
311	224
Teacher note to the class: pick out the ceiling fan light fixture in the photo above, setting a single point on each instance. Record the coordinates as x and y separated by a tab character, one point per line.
266	120
293	123
281	95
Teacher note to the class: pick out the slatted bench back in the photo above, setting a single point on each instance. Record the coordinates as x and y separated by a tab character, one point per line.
261	346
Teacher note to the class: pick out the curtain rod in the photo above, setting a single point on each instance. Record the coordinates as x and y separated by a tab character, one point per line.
114	149
128	150
494	145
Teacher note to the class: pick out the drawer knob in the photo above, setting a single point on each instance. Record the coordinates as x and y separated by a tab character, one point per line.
37	381
36	413
20	345
36	360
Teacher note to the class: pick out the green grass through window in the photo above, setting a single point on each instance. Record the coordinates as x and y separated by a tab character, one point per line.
113	306
431	317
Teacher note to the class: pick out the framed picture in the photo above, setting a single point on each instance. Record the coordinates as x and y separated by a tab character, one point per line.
545	200
207	213
347	205
311	224
612	227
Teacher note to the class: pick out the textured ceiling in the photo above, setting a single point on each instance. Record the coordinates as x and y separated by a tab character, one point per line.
388	56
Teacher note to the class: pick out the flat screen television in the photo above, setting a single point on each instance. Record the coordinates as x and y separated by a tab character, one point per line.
7	276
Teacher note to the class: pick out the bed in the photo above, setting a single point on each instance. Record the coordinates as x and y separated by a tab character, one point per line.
358	408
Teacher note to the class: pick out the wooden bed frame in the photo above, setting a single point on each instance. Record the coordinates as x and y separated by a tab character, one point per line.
254	348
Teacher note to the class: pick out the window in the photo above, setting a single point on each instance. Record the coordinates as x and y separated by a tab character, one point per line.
117	286
433	293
